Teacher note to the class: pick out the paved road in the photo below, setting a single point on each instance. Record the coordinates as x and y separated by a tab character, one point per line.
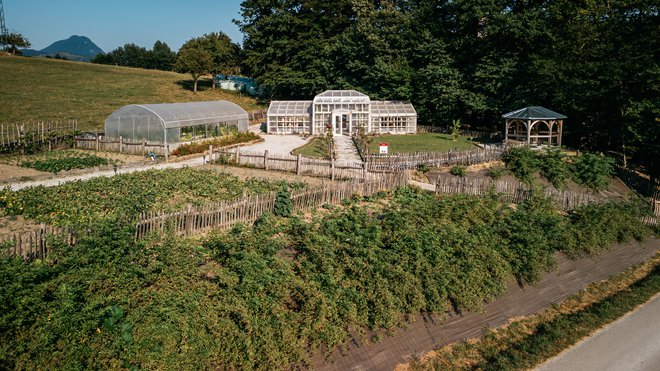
630	343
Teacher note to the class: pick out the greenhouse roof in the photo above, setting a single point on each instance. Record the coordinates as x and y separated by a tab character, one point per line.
392	108
348	96
533	113
173	115
290	108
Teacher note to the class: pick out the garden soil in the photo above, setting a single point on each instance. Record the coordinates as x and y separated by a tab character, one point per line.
428	332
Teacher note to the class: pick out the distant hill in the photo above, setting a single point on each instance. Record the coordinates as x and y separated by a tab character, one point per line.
75	48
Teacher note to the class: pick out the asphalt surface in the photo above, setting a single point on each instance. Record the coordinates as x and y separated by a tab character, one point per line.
630	343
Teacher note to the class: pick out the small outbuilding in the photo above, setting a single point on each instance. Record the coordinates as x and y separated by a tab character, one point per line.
534	125
174	123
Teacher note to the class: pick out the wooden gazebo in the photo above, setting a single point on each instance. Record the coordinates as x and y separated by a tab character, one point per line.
534	125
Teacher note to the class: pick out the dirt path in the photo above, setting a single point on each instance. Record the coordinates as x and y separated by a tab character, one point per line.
429	332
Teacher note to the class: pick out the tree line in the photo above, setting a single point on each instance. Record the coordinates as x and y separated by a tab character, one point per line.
596	62
211	53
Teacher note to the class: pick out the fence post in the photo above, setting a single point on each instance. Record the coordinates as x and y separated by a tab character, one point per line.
121	142
365	172
98	139
299	164
189	220
266	159
332	169
238	156
210	152
167	151
144	147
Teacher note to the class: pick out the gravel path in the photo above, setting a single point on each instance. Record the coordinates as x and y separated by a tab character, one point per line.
428	332
197	161
277	144
630	343
346	150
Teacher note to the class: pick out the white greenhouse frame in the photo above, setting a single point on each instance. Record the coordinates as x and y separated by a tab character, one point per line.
171	123
342	112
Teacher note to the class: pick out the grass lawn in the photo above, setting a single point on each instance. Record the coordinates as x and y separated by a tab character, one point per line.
314	148
422	142
40	89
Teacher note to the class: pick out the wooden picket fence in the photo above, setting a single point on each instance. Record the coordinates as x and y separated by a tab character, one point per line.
51	133
194	220
37	243
300	165
514	192
141	147
409	161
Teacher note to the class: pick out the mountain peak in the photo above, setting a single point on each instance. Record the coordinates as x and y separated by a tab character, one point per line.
76	46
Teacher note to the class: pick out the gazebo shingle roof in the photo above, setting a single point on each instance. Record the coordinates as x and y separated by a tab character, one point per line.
533	113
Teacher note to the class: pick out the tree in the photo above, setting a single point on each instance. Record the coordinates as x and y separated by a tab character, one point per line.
195	59
161	57
14	41
224	53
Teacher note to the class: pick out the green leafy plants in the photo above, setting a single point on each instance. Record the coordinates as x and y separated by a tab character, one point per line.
553	166
128	195
283	205
268	295
458	170
522	162
225	140
592	170
495	172
55	165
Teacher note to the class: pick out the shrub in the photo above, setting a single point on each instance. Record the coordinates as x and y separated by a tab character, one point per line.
553	167
283	204
522	162
592	170
495	172
458	170
423	168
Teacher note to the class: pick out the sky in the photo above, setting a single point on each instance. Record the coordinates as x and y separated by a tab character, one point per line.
113	23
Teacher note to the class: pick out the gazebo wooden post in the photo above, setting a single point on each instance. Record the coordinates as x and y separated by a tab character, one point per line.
529	131
550	124
507	122
561	124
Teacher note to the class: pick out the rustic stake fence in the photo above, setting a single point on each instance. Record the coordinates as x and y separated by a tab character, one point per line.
514	192
141	147
410	161
37	243
53	133
194	220
299	165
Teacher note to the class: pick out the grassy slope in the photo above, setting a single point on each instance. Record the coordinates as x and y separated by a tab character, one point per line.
314	148
423	142
39	89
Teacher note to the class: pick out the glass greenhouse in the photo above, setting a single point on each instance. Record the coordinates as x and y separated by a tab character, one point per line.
342	112
173	123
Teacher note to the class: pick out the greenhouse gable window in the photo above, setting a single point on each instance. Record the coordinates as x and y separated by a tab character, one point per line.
174	123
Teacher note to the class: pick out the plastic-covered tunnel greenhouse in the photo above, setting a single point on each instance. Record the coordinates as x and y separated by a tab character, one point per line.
174	123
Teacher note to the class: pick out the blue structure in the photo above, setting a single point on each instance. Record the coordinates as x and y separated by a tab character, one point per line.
238	83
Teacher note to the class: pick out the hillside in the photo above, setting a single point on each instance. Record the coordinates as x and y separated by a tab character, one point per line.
76	48
40	89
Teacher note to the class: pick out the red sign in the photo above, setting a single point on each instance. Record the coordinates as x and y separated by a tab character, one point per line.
383	148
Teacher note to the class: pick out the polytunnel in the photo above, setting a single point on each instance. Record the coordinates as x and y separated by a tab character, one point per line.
173	123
